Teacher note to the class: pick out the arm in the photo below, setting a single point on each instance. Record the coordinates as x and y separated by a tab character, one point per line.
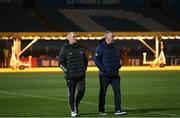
120	59
98	58
62	59
85	60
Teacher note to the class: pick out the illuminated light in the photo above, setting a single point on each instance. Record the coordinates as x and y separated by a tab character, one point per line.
42	37
141	38
128	38
54	38
92	38
84	38
58	37
121	38
23	37
47	38
6	38
135	38
3	37
29	37
171	37
149	37
78	38
164	37
62	38
36	37
99	38
115	38
11	37
90	35
177	37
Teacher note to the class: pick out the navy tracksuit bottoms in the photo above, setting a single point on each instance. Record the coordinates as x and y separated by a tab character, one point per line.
115	83
72	85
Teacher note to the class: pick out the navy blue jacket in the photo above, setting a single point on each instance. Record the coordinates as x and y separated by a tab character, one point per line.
107	59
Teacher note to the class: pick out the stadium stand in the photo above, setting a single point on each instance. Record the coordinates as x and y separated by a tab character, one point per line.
47	16
111	16
54	16
15	18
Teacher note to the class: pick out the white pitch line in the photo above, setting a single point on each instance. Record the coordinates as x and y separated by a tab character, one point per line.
33	96
49	98
89	103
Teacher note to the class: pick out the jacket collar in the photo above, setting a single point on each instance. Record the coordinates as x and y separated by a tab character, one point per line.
107	45
75	45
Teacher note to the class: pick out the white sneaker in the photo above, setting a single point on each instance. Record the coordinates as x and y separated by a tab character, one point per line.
73	114
102	113
120	113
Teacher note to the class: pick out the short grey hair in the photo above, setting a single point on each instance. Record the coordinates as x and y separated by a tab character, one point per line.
107	32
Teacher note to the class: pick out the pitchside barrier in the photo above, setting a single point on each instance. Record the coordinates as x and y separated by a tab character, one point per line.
159	59
133	61
90	69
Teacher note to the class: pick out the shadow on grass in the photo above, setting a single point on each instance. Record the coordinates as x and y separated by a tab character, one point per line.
89	114
129	112
96	114
146	110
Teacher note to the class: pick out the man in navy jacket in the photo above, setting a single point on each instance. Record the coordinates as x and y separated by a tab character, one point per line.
107	59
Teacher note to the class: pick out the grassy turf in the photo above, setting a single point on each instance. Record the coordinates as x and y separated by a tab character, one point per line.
45	95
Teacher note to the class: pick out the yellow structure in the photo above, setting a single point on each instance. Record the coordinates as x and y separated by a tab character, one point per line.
159	60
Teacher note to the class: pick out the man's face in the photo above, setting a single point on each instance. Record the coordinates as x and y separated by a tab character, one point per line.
109	38
72	38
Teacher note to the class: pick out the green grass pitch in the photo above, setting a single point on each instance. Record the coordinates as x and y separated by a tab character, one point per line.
147	94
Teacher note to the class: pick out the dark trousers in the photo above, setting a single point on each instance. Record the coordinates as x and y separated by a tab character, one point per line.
72	85
115	83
